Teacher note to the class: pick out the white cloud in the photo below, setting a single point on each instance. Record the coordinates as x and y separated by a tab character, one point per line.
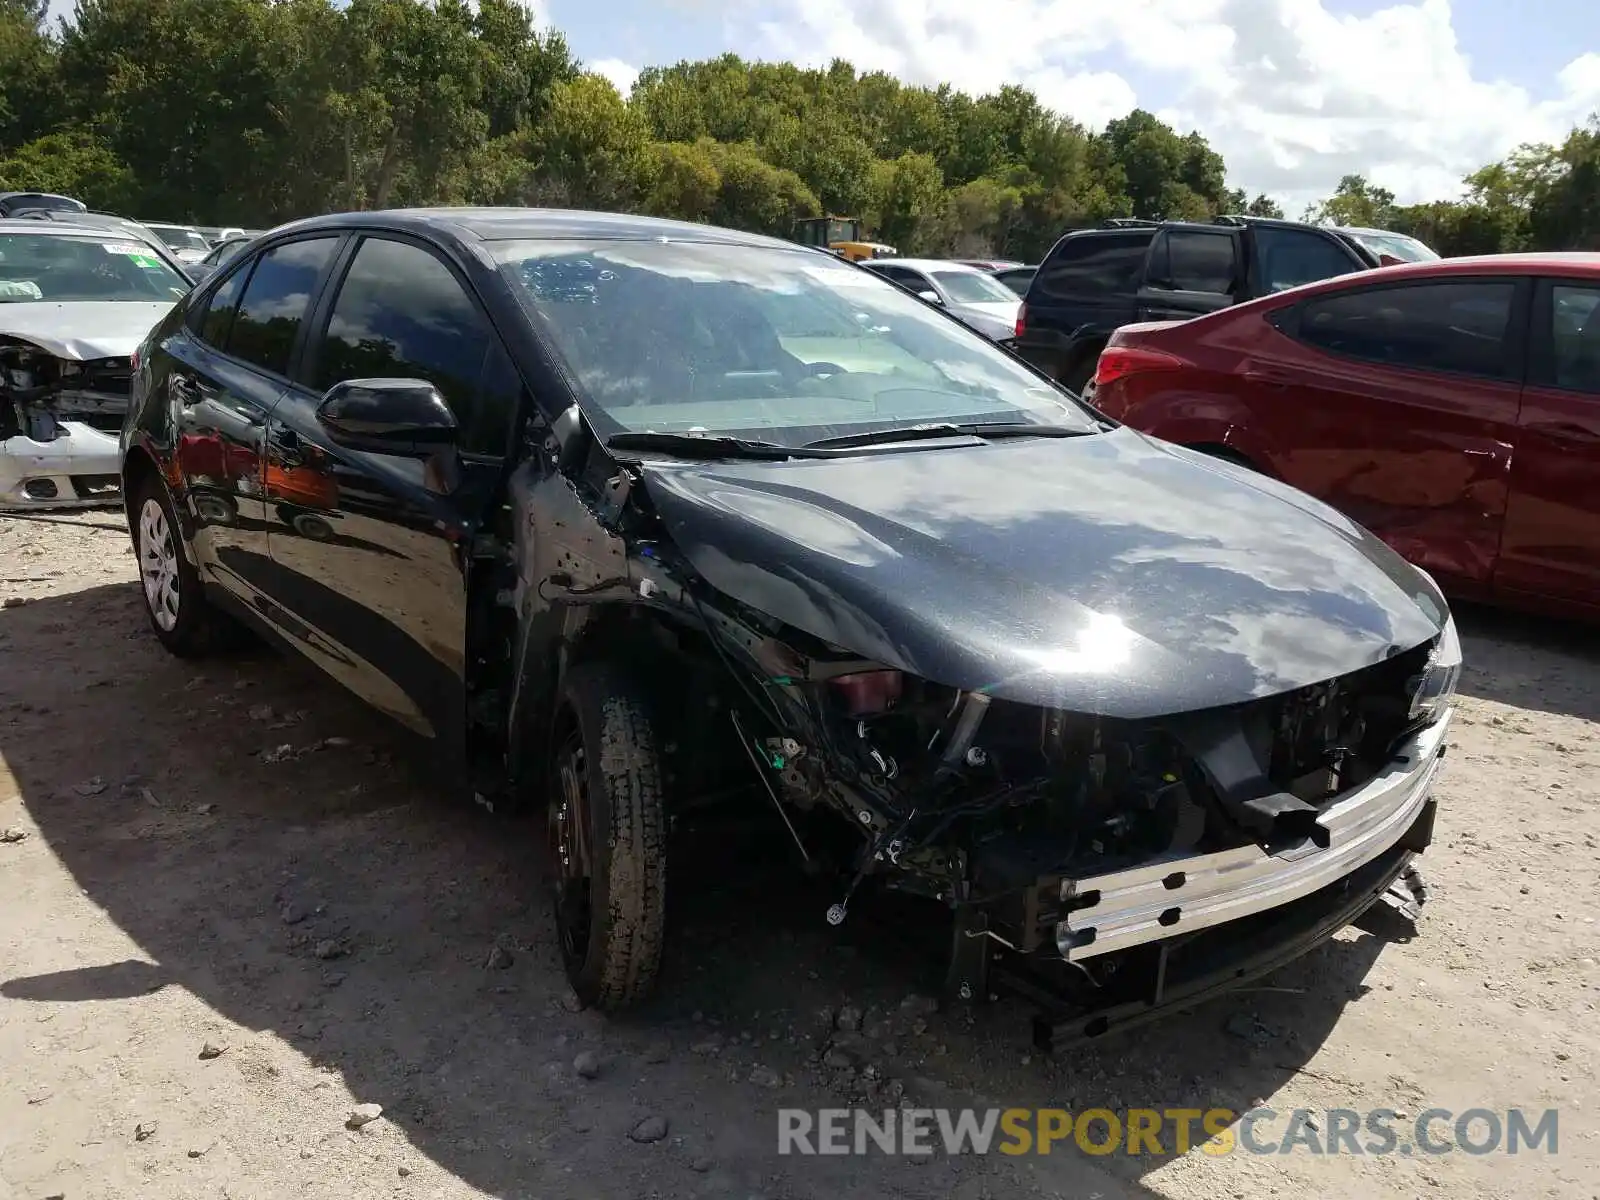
622	75
1293	93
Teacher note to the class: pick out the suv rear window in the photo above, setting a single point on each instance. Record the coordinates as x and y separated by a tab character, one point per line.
1094	262
1194	260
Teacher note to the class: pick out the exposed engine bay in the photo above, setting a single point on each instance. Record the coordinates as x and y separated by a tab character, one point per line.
59	421
1083	851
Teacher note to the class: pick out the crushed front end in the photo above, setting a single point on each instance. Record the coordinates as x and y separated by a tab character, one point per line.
59	423
1108	869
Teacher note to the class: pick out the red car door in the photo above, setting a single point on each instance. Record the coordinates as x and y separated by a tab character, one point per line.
1398	405
1551	548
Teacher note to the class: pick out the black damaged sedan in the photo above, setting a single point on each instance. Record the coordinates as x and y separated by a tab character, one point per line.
633	517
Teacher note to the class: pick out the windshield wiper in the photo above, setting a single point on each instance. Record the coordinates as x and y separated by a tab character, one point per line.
948	429
694	445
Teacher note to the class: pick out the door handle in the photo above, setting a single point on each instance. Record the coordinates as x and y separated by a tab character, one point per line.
1268	378
1570	430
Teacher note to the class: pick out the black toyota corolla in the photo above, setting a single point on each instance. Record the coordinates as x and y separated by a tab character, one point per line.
633	517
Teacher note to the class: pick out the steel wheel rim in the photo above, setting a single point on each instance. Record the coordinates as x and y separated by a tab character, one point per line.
569	849
158	565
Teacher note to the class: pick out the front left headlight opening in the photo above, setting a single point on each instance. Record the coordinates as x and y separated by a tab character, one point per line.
1436	690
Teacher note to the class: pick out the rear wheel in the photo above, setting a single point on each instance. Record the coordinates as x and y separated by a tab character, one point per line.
181	617
607	839
1076	377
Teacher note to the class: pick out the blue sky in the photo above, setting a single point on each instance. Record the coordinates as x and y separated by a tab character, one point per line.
1294	93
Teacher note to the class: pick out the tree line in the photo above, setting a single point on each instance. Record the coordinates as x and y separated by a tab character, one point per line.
252	112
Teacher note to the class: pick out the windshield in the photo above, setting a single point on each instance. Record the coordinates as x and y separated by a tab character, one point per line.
1407	249
969	287
46	266
180	238
785	346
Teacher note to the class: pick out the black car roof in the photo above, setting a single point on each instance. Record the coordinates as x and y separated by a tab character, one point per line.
508	224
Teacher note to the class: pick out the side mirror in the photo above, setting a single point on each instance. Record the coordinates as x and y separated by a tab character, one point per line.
931	296
568	438
388	416
1389	260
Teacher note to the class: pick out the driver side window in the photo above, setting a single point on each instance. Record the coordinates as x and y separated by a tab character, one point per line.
402	314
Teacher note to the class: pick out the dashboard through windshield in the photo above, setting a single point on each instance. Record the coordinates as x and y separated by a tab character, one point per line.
788	346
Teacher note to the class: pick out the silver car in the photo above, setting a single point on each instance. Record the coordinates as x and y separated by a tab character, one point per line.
74	303
972	296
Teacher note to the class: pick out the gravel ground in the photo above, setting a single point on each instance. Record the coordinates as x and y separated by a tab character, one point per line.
234	907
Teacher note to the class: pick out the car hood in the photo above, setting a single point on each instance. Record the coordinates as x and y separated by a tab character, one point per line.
1000	310
986	322
83	329
1108	574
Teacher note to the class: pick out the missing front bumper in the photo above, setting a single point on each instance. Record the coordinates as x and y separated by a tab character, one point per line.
1102	914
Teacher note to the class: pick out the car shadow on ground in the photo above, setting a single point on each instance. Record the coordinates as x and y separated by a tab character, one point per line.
322	891
1530	662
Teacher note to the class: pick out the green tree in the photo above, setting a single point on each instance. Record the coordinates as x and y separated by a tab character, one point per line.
908	203
683	181
29	91
71	164
756	195
1356	202
591	148
1264	206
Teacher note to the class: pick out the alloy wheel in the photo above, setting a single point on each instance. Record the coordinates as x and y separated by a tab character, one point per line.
569	849
158	564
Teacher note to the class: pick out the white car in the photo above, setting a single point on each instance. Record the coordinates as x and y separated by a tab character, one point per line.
969	294
186	242
75	301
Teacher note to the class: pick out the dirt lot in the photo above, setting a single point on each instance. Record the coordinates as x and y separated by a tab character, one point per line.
342	935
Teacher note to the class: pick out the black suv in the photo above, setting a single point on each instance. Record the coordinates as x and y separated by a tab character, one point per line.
1095	280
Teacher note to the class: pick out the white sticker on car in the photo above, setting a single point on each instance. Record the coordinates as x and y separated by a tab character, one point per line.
124	248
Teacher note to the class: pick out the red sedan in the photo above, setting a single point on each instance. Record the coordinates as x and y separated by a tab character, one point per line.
1452	407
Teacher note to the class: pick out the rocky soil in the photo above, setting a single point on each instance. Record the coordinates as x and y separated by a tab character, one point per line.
247	949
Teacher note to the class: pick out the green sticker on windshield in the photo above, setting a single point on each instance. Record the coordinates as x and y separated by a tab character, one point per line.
148	261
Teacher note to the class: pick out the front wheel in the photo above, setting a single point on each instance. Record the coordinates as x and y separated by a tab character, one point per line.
607	838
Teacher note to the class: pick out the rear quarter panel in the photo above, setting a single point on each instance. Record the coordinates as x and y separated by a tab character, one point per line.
1420	458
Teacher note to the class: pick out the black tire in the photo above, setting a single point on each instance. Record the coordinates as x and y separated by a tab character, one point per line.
607	836
1076	377
181	617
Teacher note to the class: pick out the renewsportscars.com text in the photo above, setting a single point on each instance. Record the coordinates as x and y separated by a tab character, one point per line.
1164	1131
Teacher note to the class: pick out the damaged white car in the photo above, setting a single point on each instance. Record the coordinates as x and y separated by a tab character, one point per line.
74	303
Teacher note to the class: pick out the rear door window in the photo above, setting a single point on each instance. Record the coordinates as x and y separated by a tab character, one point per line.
1195	260
1286	258
1101	262
215	323
1458	326
275	302
1575	337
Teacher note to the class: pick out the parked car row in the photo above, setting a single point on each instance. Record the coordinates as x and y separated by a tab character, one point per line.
1094	281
